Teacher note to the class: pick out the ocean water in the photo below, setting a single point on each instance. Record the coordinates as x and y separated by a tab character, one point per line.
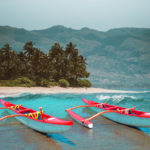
55	105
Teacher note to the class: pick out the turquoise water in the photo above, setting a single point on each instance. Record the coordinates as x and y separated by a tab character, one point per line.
55	105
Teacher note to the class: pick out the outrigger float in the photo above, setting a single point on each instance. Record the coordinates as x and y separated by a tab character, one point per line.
126	116
34	119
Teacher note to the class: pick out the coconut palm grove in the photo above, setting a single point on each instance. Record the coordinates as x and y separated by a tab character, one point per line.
32	67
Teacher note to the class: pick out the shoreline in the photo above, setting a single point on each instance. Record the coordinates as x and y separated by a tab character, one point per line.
56	90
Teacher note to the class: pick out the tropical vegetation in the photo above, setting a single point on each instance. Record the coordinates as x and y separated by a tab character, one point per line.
33	67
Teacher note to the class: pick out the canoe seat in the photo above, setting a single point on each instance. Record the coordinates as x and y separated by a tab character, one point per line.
102	105
125	111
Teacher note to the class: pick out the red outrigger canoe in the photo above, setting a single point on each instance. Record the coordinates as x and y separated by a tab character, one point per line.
44	123
123	115
126	116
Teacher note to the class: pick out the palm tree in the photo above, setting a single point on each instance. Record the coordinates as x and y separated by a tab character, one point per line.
57	58
2	70
69	48
22	65
29	50
6	52
76	64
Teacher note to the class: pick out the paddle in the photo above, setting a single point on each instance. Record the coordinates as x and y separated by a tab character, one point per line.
108	111
34	115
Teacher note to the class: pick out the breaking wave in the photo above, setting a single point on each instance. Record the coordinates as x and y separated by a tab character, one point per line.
14	95
114	98
10	95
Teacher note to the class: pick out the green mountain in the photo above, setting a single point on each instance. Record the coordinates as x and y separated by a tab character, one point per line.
116	58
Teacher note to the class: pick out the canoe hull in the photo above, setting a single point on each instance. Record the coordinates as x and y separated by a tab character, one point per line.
49	125
41	126
124	119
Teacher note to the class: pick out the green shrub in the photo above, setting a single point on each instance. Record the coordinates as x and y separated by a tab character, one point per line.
53	84
84	83
23	81
5	83
44	82
64	83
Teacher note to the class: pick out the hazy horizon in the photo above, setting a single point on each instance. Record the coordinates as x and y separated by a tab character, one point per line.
74	28
101	15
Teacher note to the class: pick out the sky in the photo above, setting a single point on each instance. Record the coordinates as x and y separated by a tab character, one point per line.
101	15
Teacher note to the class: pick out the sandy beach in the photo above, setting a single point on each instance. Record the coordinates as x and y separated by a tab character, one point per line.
55	90
20	137
105	135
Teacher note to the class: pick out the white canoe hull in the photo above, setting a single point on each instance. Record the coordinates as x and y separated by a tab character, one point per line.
41	126
125	119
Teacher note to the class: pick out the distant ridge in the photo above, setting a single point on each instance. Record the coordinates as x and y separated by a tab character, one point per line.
116	58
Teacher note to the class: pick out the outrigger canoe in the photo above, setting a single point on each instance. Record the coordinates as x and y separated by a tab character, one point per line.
37	121
122	115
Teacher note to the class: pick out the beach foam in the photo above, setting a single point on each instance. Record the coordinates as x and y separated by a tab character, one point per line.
14	91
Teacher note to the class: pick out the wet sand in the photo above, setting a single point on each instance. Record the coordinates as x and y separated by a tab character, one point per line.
106	135
15	136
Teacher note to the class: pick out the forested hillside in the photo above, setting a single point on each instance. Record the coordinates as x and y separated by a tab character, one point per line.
116	58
